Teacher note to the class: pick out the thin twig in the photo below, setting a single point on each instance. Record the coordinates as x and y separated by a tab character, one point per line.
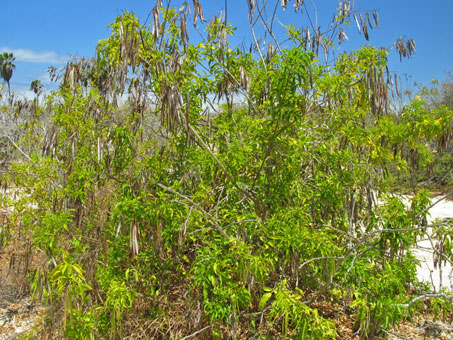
432	205
395	334
199	209
197	332
247	194
16	146
244	221
320	258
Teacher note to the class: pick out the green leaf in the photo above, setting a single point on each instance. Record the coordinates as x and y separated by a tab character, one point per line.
264	299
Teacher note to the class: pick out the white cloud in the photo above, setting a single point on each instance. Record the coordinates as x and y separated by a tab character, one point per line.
44	78
31	56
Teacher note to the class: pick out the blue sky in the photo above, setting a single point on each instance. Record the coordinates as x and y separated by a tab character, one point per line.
48	32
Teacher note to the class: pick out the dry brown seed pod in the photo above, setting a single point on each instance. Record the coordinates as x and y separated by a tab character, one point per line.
284	3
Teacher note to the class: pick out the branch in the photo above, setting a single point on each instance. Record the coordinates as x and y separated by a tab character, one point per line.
199	209
16	146
432	205
247	194
244	221
197	332
394	334
320	258
427	296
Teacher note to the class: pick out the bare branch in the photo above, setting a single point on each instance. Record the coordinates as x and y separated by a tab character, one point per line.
427	296
199	209
197	332
320	258
16	146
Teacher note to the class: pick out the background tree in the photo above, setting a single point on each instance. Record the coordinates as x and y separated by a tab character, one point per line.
7	67
36	87
435	103
439	93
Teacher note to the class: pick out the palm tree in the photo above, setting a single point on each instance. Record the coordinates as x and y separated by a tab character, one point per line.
36	87
7	67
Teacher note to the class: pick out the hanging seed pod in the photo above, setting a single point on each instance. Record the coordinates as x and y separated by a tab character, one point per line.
398	93
72	74
365	31
401	48
183	31
284	3
318	40
346	8
156	25
307	38
368	20
342	35
223	36
184	9
252	6
298	4
135	232
364	27
410	46
244	78
376	18
270	52
99	149
325	48
391	86
187	119
197	12
357	22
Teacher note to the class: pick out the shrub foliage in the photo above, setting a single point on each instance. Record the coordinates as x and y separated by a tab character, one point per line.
183	187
